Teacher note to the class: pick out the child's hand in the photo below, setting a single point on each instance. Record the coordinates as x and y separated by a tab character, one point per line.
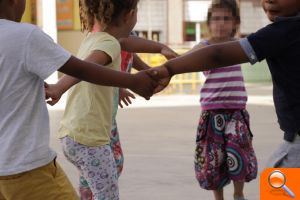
168	53
53	92
162	84
124	96
162	77
144	83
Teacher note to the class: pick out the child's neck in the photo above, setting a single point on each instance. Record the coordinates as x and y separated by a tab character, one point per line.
4	15
6	12
112	30
115	31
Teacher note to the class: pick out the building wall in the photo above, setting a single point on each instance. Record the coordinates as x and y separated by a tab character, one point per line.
252	17
152	17
175	22
71	39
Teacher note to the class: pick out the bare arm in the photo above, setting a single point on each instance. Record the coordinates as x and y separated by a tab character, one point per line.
139	64
140	45
136	44
201	59
98	57
140	83
212	56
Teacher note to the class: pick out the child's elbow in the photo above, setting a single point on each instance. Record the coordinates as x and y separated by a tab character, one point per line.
217	56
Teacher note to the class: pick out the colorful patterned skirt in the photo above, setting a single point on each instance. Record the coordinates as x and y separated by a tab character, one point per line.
224	150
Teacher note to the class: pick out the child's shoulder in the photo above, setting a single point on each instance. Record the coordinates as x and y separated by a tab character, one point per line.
103	40
25	27
101	36
18	32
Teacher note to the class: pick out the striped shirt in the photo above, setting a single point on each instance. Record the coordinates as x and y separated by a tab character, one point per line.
223	89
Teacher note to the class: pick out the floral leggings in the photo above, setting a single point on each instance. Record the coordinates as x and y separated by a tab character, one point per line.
84	189
97	168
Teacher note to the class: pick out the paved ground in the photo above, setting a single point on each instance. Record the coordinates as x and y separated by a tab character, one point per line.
158	143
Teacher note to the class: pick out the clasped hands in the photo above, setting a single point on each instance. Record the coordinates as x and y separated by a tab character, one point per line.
158	77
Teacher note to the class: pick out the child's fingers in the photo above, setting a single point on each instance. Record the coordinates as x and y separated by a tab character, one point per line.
46	95
124	100
169	53
128	100
153	73
52	102
130	95
147	98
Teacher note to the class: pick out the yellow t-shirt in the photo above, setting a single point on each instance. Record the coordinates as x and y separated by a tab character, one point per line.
88	114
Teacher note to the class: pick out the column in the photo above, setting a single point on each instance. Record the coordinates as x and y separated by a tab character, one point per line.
175	21
46	19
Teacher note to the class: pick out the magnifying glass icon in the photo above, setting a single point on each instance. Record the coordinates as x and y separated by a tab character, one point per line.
277	180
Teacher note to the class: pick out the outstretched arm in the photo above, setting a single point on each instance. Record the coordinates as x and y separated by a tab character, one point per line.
55	91
140	83
213	56
136	44
139	64
201	59
98	57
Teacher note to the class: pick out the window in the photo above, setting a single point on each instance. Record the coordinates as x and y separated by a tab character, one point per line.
155	35
190	31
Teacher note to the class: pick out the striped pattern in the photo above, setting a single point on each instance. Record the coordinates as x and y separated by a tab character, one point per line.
224	89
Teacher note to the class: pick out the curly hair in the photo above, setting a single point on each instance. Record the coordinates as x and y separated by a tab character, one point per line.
228	4
105	11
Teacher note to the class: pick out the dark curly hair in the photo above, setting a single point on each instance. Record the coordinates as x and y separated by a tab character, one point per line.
228	4
105	11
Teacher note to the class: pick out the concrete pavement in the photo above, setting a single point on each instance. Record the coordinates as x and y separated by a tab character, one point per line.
158	143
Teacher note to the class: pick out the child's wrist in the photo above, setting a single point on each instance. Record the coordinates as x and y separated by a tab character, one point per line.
162	47
131	81
61	88
169	70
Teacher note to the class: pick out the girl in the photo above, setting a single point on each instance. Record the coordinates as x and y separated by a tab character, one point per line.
224	149
86	124
121	95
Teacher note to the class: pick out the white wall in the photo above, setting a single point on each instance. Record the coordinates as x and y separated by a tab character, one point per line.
252	17
175	22
152	16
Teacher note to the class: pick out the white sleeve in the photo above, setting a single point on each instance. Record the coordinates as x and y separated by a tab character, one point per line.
246	46
43	56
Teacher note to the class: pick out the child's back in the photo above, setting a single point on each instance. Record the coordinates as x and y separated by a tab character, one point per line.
27	57
89	107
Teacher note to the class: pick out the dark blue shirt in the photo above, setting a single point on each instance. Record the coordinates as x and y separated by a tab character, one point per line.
279	44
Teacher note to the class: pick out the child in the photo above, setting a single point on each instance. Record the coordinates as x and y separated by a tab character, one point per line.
224	149
87	121
28	169
279	44
121	95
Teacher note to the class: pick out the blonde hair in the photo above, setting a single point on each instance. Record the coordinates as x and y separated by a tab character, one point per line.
104	11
